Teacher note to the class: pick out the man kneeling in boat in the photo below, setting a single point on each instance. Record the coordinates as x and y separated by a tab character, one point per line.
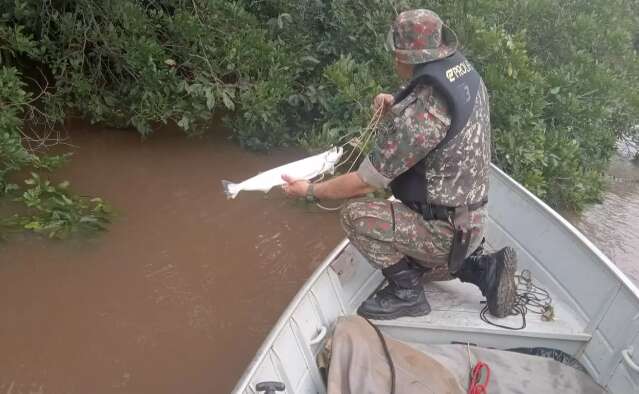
433	151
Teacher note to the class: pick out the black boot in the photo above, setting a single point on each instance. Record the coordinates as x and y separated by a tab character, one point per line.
403	296
494	274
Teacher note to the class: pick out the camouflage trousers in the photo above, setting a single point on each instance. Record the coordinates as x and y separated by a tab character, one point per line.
384	232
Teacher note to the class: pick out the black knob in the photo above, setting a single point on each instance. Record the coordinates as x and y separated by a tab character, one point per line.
270	387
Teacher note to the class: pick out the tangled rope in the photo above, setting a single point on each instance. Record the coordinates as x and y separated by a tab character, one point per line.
529	298
357	143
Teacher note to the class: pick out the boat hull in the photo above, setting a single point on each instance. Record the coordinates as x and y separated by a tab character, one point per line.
598	306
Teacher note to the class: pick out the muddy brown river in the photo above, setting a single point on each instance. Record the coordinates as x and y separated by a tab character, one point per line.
613	225
178	294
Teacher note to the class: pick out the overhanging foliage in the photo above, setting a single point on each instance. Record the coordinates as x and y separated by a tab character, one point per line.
563	75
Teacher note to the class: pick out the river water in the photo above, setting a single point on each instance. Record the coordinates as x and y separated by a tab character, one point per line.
613	225
179	293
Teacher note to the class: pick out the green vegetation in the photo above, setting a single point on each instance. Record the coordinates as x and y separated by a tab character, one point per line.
36	205
563	77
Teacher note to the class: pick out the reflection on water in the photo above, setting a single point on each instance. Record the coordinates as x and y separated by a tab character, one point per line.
177	296
613	225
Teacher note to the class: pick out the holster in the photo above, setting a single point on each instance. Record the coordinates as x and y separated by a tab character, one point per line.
461	239
459	217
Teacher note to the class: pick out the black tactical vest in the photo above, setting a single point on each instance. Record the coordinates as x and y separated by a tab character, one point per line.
456	79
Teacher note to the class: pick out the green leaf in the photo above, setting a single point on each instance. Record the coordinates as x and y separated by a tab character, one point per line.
183	123
228	102
310	59
33	226
283	17
11	187
67	200
210	99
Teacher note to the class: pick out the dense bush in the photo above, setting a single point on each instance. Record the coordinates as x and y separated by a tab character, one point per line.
585	99
563	75
563	79
34	204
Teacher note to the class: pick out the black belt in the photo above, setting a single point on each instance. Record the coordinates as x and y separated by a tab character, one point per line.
440	212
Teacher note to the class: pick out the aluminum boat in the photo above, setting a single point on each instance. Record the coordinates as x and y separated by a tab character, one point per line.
596	307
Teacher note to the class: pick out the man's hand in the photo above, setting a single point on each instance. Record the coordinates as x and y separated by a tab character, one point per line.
295	188
384	101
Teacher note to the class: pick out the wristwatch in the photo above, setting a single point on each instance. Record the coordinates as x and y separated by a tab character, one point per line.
310	193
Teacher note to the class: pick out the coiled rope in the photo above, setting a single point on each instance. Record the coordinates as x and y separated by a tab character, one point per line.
529	298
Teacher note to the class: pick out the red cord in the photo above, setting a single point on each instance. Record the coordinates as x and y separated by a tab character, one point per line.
475	386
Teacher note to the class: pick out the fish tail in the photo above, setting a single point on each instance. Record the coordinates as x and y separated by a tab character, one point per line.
230	189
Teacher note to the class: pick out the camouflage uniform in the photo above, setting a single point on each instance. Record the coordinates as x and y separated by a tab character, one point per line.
419	36
456	174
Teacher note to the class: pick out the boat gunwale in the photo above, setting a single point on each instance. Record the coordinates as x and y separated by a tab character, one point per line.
575	232
286	315
576	336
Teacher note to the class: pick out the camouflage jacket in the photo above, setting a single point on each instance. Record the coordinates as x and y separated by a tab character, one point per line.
456	174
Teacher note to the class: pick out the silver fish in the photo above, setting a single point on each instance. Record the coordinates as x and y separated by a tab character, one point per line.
307	168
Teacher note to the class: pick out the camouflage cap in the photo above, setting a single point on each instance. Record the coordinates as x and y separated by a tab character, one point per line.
420	36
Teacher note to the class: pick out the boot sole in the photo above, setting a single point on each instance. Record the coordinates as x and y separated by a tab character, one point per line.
501	304
413	311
